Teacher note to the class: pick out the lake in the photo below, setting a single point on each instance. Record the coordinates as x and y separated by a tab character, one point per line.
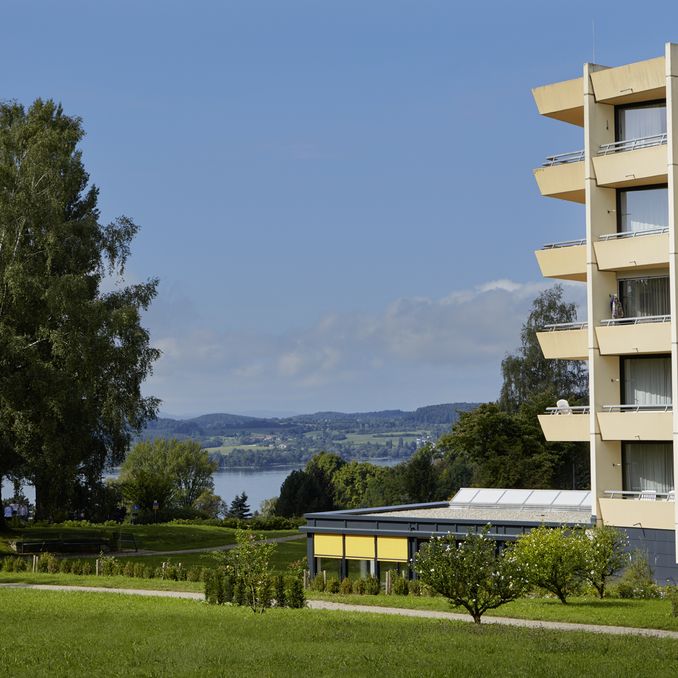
257	483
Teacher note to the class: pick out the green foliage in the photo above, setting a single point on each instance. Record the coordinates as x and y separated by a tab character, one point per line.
295	593
173	473
239	508
399	585
359	586
280	591
351	481
471	573
527	373
333	585
553	559
72	357
301	493
637	580
672	596
603	556
318	583
250	564
346	586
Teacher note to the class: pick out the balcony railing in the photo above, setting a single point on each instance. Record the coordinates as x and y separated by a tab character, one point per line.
571	409
634	234
632	144
560	327
564	158
638	408
613	322
643	495
565	243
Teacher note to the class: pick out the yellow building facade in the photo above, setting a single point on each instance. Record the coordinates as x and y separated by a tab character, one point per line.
625	176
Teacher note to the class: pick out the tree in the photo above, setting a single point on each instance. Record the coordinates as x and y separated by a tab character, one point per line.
527	373
351	482
301	493
604	554
471	573
239	507
250	564
553	559
72	357
173	473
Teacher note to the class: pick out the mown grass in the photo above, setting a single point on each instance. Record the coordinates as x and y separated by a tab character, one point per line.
78	634
651	614
118	582
163	537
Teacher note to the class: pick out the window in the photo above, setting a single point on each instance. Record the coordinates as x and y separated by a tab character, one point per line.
642	297
642	209
646	381
647	466
640	121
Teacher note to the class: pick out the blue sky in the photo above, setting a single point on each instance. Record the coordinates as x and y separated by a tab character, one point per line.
337	196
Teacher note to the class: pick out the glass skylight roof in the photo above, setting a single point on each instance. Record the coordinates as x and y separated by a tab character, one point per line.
477	496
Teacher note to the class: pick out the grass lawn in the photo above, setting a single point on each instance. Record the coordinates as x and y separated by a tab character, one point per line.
104	582
652	614
163	537
78	634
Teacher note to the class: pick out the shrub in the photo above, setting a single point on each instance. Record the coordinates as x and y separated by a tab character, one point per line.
672	596
212	587
318	583
128	569
359	587
471	573
250	563
108	566
193	574
87	568
603	556
372	586
399	585
295	593
228	588
346	586
333	585
239	593
148	572
553	559
48	562
414	587
637	580
280	592
138	570
76	567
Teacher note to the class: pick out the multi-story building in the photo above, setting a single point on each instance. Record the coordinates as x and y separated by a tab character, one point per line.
626	177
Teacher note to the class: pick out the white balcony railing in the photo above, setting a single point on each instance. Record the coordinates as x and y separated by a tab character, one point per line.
560	327
633	144
565	243
570	409
638	408
634	234
564	158
643	495
639	320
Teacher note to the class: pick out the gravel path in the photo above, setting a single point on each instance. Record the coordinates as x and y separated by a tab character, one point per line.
373	609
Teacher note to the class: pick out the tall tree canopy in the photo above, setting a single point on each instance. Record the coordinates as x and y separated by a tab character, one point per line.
72	356
526	373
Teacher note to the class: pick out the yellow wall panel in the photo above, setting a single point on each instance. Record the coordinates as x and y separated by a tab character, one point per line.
328	546
360	548
393	549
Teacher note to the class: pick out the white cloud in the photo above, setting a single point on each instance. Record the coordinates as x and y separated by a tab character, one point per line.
416	351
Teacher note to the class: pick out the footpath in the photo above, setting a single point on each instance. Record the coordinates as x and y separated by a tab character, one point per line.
369	609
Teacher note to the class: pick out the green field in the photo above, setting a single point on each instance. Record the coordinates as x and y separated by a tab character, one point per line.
651	614
83	634
164	537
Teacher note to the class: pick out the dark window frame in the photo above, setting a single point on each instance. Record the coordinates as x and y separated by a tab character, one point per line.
631	189
625	107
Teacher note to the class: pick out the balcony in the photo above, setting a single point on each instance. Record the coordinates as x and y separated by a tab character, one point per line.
638	509
640	81
567	341
636	422
633	162
563	260
635	336
565	424
562	101
633	250
562	176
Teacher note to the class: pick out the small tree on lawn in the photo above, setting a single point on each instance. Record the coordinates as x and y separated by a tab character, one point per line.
553	559
250	564
240	508
471	573
604	554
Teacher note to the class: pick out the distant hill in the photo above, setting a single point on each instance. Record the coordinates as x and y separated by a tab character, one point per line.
221	424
